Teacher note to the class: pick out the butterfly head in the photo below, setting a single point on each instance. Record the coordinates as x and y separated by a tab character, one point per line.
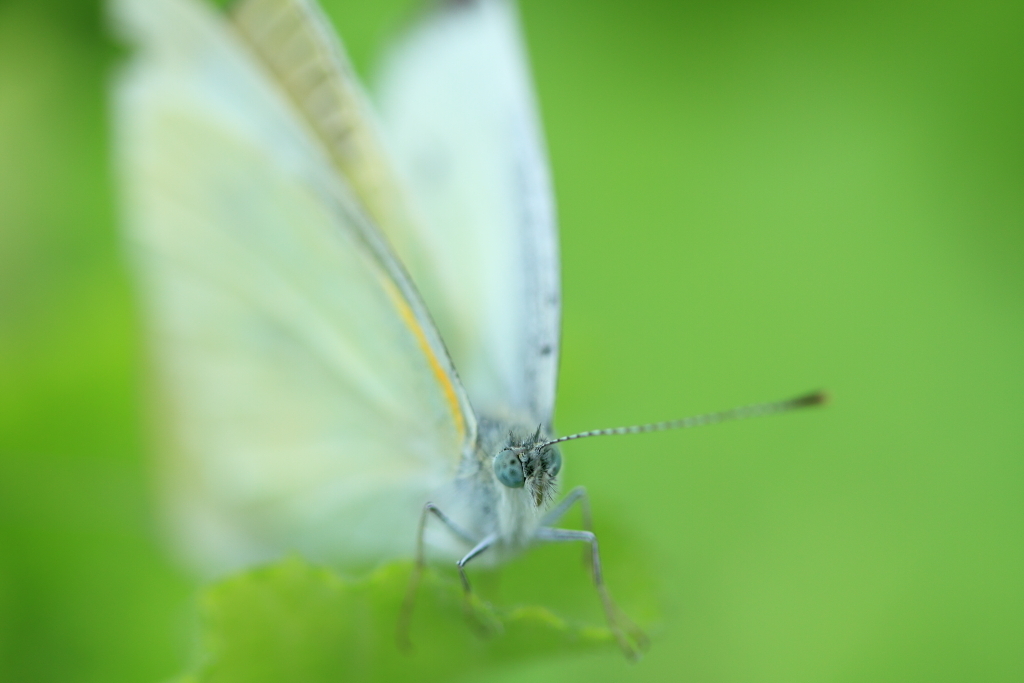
530	463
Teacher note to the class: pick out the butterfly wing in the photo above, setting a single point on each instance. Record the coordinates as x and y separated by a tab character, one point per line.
479	236
458	109
310	403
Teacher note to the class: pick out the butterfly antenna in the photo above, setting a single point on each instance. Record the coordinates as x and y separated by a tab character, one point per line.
816	398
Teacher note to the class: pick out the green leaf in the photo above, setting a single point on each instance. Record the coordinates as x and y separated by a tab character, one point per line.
291	621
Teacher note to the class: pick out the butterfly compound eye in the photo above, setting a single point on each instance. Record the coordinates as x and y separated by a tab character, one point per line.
509	470
553	459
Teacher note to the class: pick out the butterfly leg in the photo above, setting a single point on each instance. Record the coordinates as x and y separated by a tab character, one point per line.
556	513
478	614
617	621
402	634
477	549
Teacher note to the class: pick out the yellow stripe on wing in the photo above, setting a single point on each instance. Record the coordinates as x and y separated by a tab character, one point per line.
440	373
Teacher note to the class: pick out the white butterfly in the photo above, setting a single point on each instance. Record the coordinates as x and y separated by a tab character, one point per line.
289	244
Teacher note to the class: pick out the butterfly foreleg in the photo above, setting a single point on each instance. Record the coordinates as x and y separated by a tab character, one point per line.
477	549
430	508
556	513
617	621
480	619
402	634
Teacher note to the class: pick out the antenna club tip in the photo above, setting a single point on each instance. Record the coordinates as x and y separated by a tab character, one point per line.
817	398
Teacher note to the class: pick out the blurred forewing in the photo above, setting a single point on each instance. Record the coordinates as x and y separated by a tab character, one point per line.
310	402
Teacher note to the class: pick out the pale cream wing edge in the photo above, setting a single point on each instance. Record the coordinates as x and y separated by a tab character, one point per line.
296	42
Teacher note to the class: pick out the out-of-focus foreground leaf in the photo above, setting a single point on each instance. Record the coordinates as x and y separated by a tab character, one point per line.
291	621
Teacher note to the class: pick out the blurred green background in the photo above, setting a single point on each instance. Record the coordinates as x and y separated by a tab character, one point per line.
755	199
